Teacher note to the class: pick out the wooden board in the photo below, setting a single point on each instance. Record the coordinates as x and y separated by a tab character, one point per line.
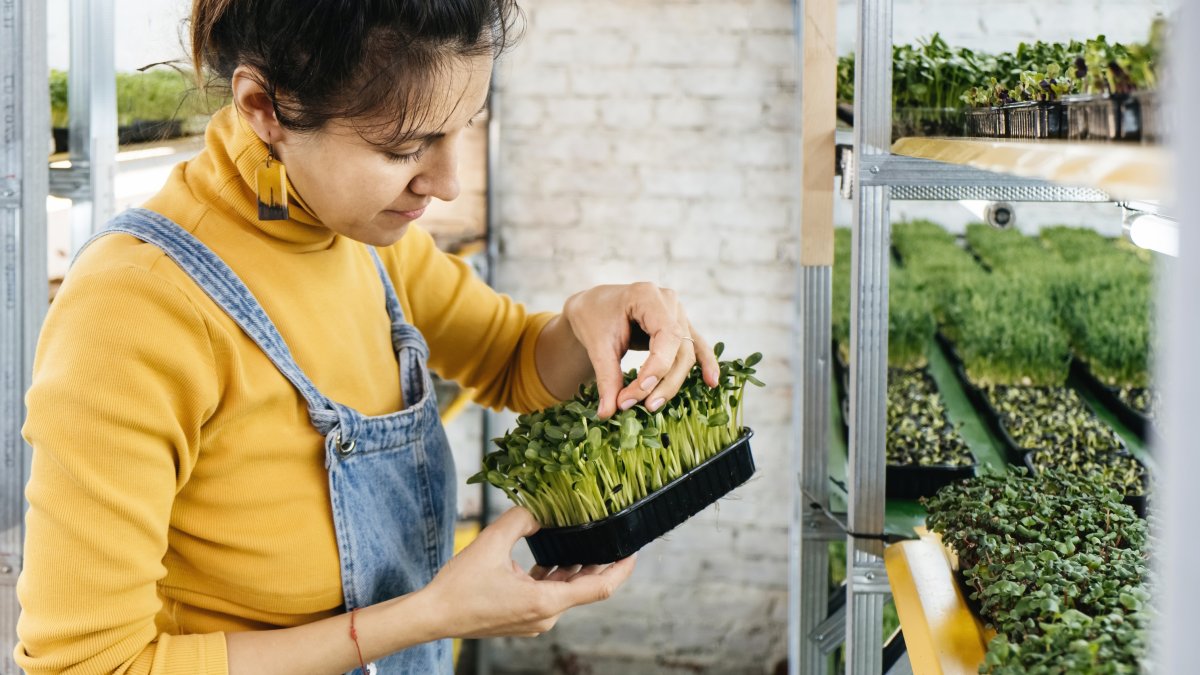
818	99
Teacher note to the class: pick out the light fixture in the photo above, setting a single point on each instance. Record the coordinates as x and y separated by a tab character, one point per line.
1152	232
1000	215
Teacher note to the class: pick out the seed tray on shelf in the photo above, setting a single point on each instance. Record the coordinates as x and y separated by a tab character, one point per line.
1138	422
904	481
1014	452
1138	502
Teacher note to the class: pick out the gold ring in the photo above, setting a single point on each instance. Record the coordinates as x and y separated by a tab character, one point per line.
688	338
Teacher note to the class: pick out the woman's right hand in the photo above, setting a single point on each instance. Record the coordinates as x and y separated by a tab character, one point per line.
482	592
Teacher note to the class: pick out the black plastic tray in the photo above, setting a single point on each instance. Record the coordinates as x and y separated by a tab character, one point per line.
983	405
1154	122
1036	119
914	481
987	122
623	534
1138	502
904	481
979	399
1103	117
1136	420
988	412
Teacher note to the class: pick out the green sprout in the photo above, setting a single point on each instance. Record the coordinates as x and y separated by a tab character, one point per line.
568	467
1058	567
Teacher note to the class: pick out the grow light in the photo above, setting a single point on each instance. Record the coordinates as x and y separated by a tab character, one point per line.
1152	232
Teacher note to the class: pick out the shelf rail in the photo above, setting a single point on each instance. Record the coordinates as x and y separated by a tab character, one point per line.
23	277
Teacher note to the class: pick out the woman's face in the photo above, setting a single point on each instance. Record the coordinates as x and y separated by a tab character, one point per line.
371	193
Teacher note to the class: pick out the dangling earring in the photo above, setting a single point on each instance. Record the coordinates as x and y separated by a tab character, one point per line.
272	188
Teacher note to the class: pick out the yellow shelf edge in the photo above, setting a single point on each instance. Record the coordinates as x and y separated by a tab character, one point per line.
941	633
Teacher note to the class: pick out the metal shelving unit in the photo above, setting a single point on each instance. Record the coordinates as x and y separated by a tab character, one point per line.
874	171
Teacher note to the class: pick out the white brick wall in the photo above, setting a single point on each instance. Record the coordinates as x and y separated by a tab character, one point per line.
642	141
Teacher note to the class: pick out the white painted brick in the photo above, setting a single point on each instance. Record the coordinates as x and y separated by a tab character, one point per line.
575	16
768	183
522	112
735	114
626	113
641	80
734	81
649	147
541	212
574	147
521	273
584	180
543	80
689	49
610	271
690	281
611	216
681	112
640	243
771	48
748	248
704	17
570	112
771	16
527	243
689	246
585	244
765	216
691	183
608	49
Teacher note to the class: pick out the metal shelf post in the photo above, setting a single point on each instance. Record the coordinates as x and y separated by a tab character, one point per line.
92	92
24	181
865	573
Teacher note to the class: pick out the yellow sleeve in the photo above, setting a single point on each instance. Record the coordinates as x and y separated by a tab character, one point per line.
123	380
481	339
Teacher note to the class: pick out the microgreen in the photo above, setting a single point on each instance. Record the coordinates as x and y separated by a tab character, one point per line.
569	467
1058	566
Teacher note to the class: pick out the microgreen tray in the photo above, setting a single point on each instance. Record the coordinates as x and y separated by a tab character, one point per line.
983	405
1137	421
1137	502
987	122
624	533
904	481
1103	117
914	481
1036	119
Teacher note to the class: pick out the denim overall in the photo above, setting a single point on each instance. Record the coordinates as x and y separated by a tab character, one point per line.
391	477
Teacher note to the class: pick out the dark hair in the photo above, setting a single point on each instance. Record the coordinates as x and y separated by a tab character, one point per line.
352	59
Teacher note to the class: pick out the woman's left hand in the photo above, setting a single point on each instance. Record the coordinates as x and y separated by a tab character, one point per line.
601	319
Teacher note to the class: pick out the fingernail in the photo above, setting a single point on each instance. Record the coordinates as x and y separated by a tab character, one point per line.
628	403
656	403
649	383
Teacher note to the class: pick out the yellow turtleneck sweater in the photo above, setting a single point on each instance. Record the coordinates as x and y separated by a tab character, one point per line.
178	489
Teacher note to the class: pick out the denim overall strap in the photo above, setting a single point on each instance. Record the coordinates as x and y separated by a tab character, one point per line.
408	342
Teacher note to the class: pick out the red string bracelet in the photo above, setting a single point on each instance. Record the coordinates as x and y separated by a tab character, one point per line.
354	637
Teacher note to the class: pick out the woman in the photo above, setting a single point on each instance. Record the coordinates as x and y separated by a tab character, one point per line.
238	465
